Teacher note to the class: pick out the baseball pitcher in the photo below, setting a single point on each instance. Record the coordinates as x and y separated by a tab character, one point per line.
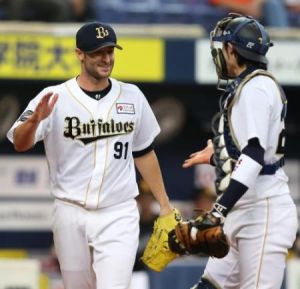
95	130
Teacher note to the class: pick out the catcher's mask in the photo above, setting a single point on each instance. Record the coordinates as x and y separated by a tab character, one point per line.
246	34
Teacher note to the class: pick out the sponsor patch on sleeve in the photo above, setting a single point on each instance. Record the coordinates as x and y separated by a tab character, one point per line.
125	108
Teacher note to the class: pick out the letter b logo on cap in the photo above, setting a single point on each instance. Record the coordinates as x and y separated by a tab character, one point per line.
101	32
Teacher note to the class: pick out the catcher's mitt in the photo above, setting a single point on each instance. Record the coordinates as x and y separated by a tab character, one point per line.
203	235
157	254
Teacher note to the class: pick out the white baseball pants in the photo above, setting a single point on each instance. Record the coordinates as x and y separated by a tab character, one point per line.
96	249
260	236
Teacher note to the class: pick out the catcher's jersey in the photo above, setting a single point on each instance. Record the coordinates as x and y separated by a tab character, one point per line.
89	142
257	114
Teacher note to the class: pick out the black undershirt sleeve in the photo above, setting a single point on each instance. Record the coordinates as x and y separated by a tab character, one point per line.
236	189
148	149
255	151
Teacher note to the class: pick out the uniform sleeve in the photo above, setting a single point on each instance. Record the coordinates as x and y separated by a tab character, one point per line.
147	126
252	113
44	126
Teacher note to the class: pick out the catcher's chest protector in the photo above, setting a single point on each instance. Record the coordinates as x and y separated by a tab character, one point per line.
226	147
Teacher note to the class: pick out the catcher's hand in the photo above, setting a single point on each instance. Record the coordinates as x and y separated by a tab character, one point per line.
200	157
203	235
157	254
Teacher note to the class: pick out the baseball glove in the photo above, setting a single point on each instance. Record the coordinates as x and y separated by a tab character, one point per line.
204	235
157	254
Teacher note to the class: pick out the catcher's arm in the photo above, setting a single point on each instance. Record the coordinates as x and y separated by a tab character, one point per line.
243	177
205	234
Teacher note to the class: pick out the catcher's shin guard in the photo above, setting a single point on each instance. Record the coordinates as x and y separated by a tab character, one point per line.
204	284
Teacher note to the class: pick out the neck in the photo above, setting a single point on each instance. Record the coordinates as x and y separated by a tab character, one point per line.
92	84
239	69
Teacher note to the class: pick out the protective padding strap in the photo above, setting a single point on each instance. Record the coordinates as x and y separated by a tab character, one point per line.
260	48
246	171
272	168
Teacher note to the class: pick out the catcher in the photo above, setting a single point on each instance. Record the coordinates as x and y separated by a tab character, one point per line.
248	154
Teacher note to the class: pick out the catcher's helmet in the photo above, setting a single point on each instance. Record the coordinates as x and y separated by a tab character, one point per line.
246	34
248	37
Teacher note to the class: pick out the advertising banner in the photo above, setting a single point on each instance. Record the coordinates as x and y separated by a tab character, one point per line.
51	57
24	176
25	216
19	274
285	69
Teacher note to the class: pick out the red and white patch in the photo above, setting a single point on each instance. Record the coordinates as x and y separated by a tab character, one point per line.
125	108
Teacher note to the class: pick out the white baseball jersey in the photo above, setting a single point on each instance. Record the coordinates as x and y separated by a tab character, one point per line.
257	114
258	249
89	142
